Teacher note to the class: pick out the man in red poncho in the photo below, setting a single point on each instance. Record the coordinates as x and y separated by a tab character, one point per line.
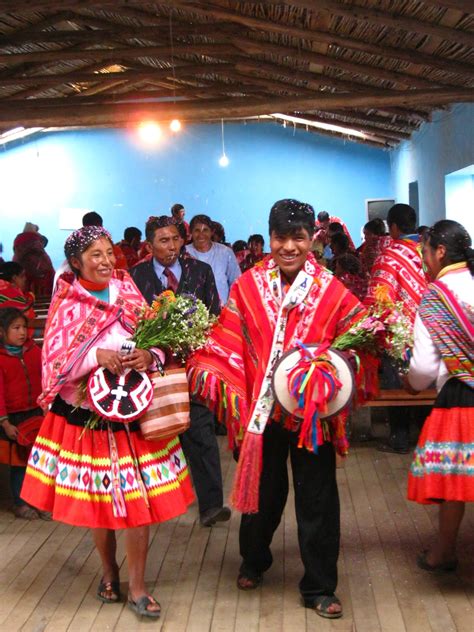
399	271
287	298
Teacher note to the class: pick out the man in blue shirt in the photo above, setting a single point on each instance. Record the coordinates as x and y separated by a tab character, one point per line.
221	258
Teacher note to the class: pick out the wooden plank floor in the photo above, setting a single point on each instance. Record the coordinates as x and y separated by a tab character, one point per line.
49	571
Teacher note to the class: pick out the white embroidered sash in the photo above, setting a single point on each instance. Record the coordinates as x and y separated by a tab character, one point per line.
294	297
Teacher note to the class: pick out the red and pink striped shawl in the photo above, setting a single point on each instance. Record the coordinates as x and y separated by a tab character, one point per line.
75	320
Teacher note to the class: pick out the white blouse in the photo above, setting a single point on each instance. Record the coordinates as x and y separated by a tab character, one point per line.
426	365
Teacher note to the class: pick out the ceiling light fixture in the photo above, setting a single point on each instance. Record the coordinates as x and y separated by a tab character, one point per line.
149	132
223	160
175	125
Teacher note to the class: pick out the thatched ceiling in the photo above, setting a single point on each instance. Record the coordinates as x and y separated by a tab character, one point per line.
380	67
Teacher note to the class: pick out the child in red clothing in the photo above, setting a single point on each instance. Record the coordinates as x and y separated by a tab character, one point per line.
20	386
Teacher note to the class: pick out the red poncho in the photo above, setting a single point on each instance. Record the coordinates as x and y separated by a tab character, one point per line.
228	372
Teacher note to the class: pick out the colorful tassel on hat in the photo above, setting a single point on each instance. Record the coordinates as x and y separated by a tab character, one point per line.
313	383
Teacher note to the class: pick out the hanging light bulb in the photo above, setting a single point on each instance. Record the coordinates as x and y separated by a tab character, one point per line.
149	132
175	125
223	160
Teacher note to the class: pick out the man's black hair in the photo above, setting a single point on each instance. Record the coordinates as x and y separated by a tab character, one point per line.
403	216
288	217
257	238
176	208
323	216
131	233
10	269
92	219
154	223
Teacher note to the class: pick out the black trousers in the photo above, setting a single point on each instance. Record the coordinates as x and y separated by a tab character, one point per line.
317	511
202	453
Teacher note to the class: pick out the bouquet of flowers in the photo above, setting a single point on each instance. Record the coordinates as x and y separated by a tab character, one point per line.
178	324
365	335
398	327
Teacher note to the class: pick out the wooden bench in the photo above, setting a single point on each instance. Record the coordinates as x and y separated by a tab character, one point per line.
399	397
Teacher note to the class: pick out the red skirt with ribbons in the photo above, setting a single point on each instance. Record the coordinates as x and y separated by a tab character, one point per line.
107	477
443	462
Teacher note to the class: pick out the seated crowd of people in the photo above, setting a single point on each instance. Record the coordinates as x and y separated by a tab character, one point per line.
311	287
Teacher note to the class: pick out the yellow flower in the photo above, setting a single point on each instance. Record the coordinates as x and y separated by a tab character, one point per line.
382	294
165	297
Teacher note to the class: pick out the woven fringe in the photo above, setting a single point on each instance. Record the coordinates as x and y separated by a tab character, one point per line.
225	403
337	429
245	493
367	378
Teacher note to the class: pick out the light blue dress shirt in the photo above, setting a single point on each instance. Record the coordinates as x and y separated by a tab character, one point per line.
160	271
224	266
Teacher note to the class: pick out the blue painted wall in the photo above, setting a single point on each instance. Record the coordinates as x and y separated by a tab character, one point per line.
436	150
113	173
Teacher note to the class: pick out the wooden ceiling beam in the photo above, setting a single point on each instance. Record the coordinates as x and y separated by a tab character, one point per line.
146	72
465	6
392	20
33	115
332	39
403	126
94	54
57	5
245	66
300	54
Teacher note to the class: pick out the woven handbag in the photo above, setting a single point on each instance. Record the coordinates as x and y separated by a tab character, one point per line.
168	414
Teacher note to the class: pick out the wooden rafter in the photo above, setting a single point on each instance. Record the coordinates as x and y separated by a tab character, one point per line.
216	109
112	62
398	78
392	20
460	5
332	39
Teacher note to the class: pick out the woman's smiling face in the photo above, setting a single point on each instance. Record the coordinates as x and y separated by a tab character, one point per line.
97	263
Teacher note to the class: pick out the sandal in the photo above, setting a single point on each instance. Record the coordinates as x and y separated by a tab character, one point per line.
140	606
442	567
25	512
321	605
108	592
244	582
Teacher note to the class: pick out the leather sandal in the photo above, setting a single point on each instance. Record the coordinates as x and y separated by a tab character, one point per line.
108	592
25	512
321	605
442	567
244	582
140	606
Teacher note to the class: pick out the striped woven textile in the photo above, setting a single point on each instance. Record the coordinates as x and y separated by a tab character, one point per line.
450	329
399	269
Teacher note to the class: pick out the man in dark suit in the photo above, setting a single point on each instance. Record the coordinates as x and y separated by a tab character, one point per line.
168	269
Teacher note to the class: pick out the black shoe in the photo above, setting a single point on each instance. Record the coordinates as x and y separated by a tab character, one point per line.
388	447
216	514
